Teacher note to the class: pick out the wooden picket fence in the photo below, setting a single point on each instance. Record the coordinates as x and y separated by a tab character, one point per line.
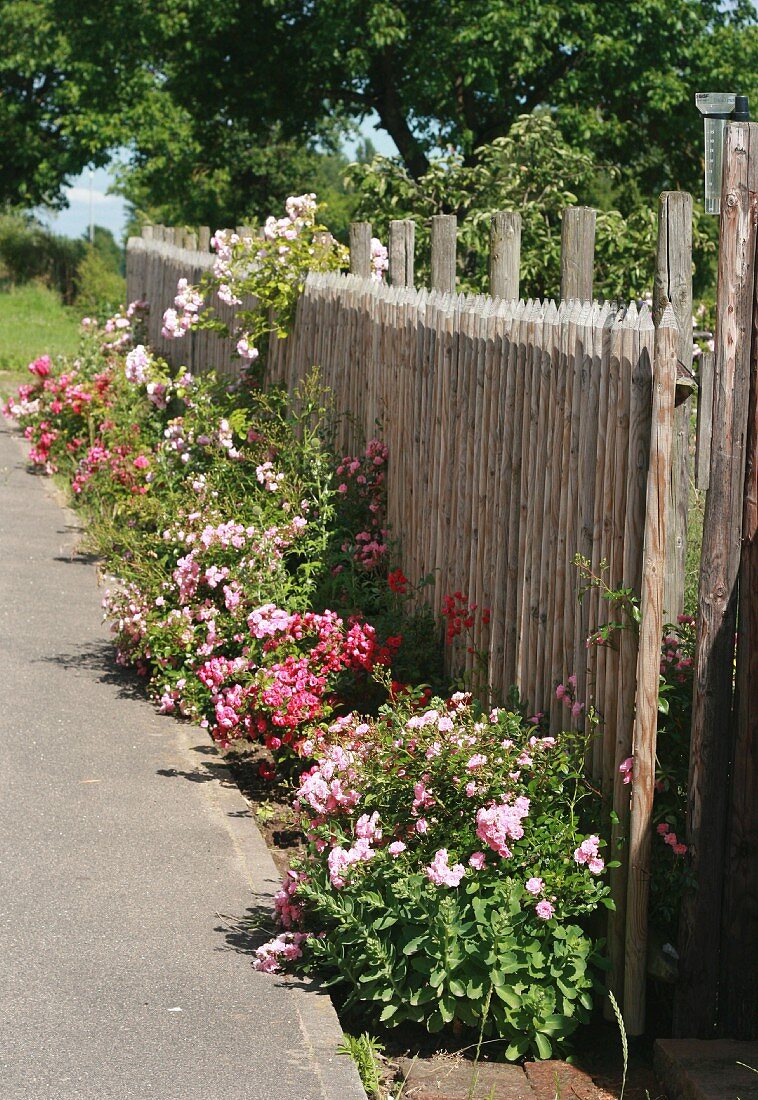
520	434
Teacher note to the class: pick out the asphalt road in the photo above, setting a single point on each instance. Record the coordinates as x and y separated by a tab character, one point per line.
127	861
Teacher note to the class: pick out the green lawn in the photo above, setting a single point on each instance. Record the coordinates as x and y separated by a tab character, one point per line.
33	322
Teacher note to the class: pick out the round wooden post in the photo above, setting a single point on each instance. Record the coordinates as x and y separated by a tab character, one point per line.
673	286
577	253
505	255
401	247
360	249
697	996
444	235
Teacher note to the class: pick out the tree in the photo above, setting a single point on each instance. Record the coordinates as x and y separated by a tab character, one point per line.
219	103
619	77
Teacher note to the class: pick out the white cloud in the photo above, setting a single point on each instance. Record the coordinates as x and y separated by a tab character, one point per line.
99	198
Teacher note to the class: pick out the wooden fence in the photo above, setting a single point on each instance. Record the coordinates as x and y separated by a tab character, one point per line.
521	434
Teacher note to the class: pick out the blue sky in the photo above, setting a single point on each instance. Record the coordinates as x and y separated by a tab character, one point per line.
110	210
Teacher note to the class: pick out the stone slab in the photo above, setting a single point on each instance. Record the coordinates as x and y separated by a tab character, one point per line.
707	1069
454	1078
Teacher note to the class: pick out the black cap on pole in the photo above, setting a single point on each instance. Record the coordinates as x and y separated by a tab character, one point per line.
741	112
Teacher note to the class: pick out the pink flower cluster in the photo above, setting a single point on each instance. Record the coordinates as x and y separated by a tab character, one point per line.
287	689
285	947
441	873
566	694
125	467
674	662
188	301
626	768
379	260
587	854
498	823
363	485
124	326
669	837
288	911
137	365
50	404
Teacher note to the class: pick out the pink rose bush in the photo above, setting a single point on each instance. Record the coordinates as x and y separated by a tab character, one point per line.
476	918
270	269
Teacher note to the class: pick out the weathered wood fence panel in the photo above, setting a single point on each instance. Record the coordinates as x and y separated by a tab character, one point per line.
493	415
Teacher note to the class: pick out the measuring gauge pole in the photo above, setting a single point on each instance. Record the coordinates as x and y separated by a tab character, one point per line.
717	108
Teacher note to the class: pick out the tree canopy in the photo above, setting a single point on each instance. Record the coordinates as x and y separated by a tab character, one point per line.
223	105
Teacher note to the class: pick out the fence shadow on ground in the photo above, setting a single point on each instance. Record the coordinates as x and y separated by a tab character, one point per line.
100	657
246	933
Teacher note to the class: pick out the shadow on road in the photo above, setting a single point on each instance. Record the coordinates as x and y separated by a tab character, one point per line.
246	933
100	657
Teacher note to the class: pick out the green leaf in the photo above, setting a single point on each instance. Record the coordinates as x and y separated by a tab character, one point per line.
435	1022
413	945
544	1046
506	994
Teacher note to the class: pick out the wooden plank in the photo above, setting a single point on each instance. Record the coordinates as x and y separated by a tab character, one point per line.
444	236
695	1006
529	419
360	249
648	671
578	316
537	539
577	253
544	689
514	564
501	674
605	693
704	421
505	255
564	392
588	437
673	286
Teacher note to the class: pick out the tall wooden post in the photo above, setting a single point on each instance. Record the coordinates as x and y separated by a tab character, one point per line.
648	669
505	255
360	249
444	237
204	238
673	286
695	1008
738	991
577	253
401	248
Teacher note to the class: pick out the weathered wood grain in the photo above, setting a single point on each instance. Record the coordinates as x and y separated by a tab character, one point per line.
648	670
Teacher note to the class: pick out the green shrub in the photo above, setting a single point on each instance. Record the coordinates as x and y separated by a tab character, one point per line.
100	286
